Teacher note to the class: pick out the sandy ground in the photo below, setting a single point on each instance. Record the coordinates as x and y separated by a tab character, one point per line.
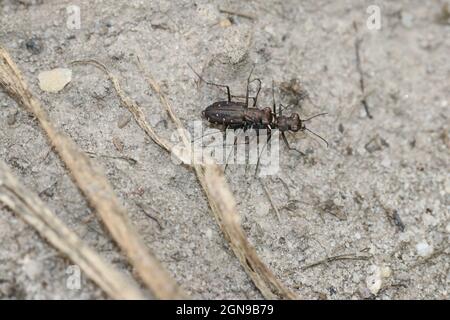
379	193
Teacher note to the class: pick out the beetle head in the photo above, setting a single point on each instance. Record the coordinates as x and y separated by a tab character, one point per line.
291	123
295	123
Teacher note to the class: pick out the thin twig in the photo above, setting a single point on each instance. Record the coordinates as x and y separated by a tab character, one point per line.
237	13
349	256
144	210
130	160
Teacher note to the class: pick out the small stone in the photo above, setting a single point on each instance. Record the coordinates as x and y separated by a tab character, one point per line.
373	283
225	23
375	279
34	45
123	121
385	272
447	228
424	249
54	80
375	144
11	118
118	144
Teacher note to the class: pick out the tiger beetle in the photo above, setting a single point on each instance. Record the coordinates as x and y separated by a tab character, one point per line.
238	114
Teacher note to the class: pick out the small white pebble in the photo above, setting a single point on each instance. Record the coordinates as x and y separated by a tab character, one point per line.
373	283
54	80
385	271
374	280
424	249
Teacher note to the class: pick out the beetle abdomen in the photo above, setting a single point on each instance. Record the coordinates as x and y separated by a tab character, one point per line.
224	112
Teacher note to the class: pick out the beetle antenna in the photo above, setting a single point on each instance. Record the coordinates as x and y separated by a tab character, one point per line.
318	136
317	115
196	73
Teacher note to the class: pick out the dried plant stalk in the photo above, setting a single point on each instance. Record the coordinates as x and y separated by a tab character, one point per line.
30	208
94	185
220	198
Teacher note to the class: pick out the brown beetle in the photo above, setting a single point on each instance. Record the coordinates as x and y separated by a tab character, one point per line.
235	114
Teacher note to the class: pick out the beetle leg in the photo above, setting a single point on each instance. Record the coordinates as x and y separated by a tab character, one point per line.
221	86
288	146
234	145
248	85
274	106
255	98
269	136
257	92
243	97
212	83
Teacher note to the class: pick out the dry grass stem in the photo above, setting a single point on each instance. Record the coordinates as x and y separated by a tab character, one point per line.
29	207
93	183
